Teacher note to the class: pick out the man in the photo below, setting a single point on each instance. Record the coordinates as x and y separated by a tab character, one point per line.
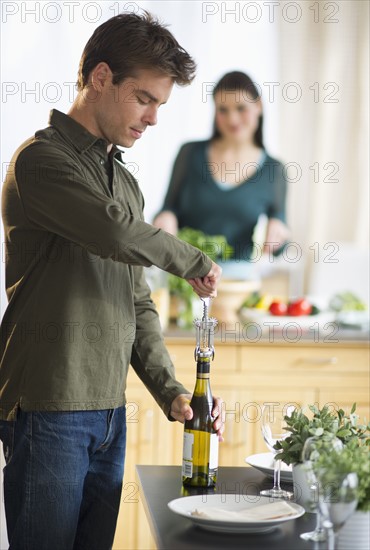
79	308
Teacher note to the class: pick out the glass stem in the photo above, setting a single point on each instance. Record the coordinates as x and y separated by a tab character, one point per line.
319	522
276	486
331	539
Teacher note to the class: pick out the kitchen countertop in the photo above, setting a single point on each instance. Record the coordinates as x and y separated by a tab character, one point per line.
161	484
239	333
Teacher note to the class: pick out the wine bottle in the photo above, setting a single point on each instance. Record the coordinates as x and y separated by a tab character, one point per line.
200	451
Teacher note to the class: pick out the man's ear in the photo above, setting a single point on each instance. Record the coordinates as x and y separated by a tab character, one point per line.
100	76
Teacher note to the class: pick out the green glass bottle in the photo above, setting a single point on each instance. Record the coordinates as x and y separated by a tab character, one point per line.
200	450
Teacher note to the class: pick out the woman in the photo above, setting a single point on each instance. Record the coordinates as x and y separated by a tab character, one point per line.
224	184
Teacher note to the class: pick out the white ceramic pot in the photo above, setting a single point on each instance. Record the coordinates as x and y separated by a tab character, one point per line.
303	494
355	533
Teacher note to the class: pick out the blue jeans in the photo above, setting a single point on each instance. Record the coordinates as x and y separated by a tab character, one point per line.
63	478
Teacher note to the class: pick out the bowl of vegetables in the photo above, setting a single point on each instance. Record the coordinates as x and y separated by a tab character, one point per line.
274	311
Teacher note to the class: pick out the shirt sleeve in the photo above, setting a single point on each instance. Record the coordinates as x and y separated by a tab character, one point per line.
279	190
56	196
150	358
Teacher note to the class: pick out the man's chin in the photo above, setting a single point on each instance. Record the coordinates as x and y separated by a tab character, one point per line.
126	143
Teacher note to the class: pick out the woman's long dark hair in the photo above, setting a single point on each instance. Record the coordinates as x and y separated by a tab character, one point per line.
238	81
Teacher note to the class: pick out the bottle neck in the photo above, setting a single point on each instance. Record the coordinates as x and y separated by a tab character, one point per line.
203	367
202	385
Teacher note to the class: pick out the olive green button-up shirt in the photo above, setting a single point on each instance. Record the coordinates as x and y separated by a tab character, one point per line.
79	307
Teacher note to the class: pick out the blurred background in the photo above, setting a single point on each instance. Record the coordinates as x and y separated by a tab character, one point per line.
310	60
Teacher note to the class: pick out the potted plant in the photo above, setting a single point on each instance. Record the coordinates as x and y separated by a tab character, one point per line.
325	423
329	468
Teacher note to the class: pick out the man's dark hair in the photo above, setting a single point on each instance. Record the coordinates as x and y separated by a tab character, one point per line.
129	42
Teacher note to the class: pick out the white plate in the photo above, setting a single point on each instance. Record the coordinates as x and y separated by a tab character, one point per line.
186	505
264	319
264	462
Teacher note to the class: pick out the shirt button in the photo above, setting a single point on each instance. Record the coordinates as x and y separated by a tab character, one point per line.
101	161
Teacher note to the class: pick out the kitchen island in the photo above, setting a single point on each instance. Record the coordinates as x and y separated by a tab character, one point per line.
161	484
332	370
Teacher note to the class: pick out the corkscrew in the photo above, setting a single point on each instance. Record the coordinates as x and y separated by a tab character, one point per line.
205	333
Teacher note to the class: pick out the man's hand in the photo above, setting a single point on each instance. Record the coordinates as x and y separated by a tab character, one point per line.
207	286
181	411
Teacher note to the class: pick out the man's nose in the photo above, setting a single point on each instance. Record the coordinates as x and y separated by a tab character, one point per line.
150	116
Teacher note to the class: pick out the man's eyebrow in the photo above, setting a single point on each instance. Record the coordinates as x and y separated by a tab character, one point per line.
149	95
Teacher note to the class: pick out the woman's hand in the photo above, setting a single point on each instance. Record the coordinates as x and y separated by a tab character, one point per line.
166	220
277	234
181	411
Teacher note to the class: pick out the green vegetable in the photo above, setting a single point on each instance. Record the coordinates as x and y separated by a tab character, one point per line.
315	310
252	299
215	246
346	301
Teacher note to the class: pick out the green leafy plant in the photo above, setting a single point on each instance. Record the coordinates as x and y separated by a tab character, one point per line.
354	458
215	246
324	423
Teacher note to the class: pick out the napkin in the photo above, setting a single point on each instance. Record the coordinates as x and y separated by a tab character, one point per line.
275	510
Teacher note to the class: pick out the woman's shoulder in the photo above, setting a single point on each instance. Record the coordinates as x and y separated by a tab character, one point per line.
273	170
192	151
191	146
269	159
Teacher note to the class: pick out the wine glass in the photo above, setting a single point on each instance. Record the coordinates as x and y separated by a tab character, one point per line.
337	500
311	451
272	427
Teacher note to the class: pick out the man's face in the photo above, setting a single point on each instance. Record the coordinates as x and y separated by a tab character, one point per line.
125	110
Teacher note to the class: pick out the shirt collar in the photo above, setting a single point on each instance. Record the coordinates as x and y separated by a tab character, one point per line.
74	132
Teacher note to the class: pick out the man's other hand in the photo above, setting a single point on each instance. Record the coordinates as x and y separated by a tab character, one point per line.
181	411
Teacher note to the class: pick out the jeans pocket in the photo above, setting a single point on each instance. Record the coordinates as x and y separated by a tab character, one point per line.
7	431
